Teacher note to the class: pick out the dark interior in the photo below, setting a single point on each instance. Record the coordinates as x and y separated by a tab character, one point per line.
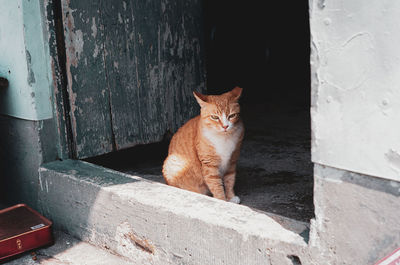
262	46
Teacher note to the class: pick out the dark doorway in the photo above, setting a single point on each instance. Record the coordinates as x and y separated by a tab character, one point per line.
262	46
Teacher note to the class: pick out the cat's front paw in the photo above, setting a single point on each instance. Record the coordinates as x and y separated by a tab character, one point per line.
235	199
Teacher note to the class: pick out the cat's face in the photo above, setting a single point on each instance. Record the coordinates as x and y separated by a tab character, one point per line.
220	112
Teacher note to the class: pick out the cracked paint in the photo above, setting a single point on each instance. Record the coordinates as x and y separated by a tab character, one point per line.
130	70
31	76
95	51
74	39
94	28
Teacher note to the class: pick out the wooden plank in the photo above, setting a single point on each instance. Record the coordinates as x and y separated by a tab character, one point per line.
154	61
183	59
52	16
131	59
87	87
131	67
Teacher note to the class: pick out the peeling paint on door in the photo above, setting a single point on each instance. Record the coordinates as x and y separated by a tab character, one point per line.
136	64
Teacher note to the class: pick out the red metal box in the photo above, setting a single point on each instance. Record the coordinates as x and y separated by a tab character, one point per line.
22	229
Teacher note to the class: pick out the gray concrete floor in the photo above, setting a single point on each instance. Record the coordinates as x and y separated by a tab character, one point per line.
68	251
275	173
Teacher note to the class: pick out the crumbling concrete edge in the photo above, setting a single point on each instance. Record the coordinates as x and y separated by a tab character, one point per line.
152	223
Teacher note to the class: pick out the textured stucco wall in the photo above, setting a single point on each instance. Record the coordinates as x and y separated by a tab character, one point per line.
355	85
355	65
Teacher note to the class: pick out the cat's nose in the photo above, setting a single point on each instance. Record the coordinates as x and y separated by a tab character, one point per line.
225	126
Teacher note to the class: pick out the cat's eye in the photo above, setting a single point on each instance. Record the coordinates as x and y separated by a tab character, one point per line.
214	117
232	116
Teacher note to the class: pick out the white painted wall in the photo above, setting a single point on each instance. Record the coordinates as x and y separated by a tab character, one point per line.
356	85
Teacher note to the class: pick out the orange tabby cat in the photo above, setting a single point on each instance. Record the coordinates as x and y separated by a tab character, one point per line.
203	153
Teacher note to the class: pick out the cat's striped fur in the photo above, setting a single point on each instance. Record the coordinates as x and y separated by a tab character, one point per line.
203	153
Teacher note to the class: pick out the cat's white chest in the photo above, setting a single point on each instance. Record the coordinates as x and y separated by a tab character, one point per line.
224	146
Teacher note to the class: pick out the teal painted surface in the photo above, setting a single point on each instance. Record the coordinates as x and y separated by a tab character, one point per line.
24	61
51	12
131	67
154	61
86	77
87	172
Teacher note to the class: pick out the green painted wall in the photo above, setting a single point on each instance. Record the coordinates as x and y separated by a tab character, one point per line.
24	61
29	135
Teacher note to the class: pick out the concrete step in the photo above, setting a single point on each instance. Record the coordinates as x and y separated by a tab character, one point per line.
152	223
69	251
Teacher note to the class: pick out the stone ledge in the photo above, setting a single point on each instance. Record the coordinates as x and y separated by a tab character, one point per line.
150	222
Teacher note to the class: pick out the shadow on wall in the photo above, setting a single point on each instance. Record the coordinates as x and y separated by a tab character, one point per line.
20	157
24	146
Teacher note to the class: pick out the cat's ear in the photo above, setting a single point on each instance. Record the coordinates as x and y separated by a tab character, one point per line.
201	99
236	93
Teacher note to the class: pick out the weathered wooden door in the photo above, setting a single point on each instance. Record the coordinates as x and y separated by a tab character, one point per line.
131	67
